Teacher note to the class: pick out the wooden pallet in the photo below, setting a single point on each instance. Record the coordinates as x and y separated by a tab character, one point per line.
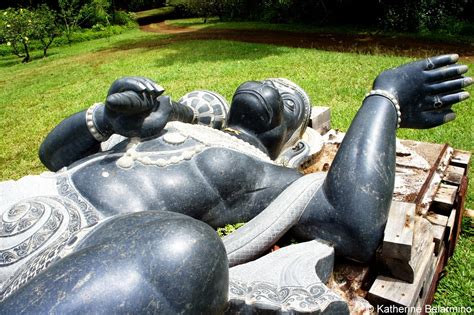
409	280
423	225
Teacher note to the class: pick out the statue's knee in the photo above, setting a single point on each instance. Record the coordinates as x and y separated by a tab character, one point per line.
149	262
183	259
190	266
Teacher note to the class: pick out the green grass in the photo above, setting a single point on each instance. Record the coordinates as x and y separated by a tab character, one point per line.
35	97
456	288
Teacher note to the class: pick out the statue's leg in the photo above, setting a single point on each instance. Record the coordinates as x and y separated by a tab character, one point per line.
156	262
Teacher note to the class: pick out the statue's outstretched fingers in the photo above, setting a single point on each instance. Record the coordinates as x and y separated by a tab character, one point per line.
448	72
437	118
449	99
451	85
440	61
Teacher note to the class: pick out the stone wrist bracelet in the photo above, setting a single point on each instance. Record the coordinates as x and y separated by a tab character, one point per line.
391	98
92	125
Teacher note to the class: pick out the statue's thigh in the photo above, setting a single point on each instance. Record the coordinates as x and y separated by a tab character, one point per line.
140	262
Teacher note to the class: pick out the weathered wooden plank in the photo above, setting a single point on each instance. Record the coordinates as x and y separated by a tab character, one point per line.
388	291
320	119
450	224
437	219
430	186
444	198
425	287
461	158
461	198
454	175
430	288
438	237
398	237
407	270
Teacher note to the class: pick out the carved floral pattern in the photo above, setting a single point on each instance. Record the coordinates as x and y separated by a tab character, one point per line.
67	189
54	221
316	297
28	215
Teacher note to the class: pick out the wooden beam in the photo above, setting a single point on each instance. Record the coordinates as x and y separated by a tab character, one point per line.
454	174
428	190
469	213
398	237
437	219
461	158
444	198
440	263
388	291
450	224
438	237
400	267
320	119
458	216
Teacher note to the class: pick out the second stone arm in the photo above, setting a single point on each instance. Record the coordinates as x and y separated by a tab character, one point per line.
134	107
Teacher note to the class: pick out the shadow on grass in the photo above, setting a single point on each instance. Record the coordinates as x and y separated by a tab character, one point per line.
5	63
11	60
338	42
191	49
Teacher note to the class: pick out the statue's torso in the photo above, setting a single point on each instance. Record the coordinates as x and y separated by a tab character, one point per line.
190	169
194	170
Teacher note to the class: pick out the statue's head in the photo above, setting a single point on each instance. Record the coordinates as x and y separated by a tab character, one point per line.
276	111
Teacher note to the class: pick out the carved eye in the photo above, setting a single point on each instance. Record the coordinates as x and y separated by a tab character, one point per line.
290	104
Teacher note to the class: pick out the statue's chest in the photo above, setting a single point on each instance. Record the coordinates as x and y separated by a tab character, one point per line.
173	148
179	143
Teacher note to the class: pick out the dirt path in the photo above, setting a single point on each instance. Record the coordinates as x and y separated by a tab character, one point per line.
369	44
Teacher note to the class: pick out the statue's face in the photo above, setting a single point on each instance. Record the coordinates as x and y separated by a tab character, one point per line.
296	109
275	110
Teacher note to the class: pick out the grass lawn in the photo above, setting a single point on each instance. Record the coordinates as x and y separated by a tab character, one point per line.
35	97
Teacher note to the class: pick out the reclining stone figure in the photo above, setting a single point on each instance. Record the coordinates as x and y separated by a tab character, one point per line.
115	230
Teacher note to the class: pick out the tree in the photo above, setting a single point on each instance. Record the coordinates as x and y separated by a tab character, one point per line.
70	13
75	13
46	29
17	29
206	8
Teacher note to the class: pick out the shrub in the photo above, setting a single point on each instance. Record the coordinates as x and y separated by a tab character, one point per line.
76	13
122	18
96	12
206	8
421	15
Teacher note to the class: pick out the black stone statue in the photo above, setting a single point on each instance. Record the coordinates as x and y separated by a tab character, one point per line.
118	223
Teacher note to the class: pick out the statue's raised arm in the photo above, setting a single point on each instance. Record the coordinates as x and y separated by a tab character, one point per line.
351	208
134	107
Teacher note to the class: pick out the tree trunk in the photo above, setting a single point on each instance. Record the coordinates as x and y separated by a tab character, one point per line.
27	53
46	45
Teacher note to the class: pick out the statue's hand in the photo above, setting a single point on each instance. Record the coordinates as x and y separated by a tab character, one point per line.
135	108
426	90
